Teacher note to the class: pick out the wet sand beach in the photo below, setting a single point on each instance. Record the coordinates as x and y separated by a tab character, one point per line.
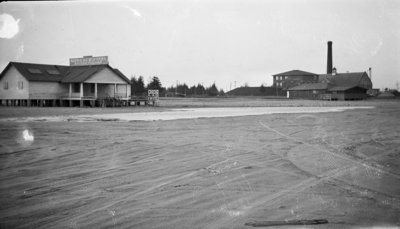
218	172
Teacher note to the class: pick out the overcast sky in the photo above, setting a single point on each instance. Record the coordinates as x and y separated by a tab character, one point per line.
206	41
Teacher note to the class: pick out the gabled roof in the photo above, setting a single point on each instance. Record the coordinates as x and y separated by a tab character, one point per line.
296	73
38	72
78	74
343	79
310	86
59	73
116	70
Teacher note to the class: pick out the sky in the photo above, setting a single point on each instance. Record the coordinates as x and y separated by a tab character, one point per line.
227	42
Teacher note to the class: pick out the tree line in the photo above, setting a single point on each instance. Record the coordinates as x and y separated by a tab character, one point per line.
139	88
194	91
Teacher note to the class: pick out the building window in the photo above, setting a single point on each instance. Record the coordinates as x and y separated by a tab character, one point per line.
20	85
92	88
77	87
5	85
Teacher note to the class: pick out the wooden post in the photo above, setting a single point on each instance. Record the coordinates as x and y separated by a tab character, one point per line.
28	103
81	91
95	90
81	95
70	103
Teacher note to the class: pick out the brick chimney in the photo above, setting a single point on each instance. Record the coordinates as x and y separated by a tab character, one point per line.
329	63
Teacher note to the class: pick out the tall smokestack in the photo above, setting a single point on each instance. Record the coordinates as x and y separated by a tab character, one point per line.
329	64
370	73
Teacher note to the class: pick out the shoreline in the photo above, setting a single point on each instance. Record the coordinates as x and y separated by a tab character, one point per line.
167	103
184	113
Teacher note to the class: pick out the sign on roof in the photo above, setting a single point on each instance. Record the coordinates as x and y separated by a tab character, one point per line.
97	60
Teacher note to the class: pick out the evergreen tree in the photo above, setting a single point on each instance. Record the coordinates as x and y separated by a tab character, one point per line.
183	89
137	86
154	84
192	90
200	90
212	91
133	85
140	89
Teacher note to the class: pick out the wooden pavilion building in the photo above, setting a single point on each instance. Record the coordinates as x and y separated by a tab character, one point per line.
27	84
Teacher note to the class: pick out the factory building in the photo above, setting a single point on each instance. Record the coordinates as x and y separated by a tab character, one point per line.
329	86
88	81
293	78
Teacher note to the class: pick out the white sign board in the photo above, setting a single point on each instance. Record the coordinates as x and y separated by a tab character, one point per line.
97	60
153	95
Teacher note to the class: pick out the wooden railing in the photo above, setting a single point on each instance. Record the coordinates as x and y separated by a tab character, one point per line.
77	96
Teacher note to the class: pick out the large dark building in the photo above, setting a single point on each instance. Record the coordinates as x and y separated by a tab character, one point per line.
293	78
332	85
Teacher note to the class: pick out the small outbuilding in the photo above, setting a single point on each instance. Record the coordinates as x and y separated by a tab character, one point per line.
308	91
386	95
348	93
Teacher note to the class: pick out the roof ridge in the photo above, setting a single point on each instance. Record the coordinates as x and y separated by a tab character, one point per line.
297	71
66	73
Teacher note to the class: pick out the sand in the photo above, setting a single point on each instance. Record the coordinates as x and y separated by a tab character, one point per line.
201	173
